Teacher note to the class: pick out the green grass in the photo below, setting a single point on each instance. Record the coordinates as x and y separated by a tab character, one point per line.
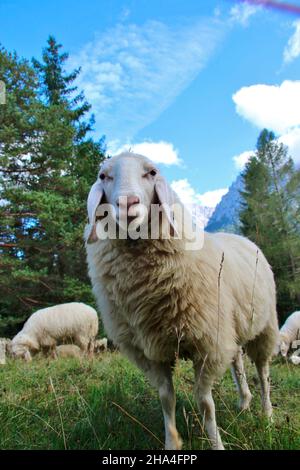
106	403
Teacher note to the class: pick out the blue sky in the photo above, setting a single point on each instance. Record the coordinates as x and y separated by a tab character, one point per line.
189	83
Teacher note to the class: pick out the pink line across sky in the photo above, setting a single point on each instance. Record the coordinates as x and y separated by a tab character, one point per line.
283	6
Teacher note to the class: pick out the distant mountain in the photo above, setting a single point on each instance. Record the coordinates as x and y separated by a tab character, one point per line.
202	215
225	217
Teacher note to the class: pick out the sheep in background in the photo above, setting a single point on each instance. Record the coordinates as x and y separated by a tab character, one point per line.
158	299
5	345
74	322
7	342
71	350
295	359
289	332
2	351
68	350
100	345
8	346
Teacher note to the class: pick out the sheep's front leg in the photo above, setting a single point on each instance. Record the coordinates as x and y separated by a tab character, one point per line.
49	351
91	347
239	376
204	399
160	377
164	383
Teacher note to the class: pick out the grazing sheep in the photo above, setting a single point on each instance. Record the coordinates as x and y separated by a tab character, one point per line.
75	322
159	299
68	350
289	332
8	346
295	359
100	345
5	345
2	351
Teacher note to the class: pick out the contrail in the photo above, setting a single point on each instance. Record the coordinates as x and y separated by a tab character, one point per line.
281	6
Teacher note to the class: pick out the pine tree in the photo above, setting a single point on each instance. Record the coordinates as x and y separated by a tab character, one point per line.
48	162
57	89
270	215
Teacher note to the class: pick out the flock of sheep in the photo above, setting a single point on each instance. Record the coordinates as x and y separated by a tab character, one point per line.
160	301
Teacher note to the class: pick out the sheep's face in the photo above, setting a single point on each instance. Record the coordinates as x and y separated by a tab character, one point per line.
126	187
19	351
284	347
100	346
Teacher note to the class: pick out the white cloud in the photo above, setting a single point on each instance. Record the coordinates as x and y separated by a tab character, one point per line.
186	193
292	49
212	198
292	140
276	107
241	159
242	12
189	196
158	152
132	73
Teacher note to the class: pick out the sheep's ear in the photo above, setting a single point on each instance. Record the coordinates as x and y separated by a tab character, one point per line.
94	199
167	199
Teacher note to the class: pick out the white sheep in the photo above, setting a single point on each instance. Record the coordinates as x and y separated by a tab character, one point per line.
74	322
4	349
289	332
100	345
159	299
71	350
2	352
295	359
68	350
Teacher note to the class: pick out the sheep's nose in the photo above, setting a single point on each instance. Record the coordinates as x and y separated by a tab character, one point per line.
126	202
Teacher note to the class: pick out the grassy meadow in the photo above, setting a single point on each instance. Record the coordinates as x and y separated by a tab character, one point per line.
105	403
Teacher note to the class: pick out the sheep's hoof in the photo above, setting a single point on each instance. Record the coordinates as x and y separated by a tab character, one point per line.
218	446
268	412
174	442
177	445
244	403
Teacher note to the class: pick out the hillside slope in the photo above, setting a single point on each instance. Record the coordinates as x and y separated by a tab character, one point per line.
225	217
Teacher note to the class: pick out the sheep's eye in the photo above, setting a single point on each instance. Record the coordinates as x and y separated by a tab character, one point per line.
153	172
102	176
